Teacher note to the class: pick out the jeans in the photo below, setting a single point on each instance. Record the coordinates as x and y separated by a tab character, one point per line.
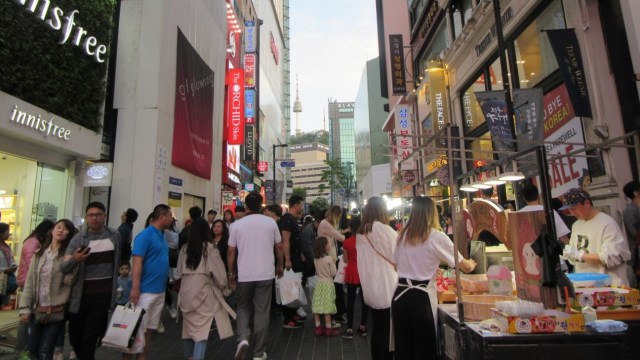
194	350
43	338
351	299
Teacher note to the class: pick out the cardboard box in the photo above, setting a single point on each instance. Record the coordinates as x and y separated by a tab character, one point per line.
551	322
606	296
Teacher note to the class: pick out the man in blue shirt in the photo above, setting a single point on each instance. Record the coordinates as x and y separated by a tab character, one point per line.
150	270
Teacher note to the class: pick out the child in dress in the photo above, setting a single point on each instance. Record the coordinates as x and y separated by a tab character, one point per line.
324	296
124	285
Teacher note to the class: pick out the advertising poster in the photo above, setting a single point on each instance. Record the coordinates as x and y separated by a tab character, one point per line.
193	117
494	108
564	129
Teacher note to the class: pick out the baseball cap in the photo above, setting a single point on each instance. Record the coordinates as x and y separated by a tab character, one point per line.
574	197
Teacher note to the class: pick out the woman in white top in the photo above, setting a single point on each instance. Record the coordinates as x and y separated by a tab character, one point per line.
375	244
421	247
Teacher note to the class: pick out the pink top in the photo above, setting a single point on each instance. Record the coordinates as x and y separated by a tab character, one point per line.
29	248
351	269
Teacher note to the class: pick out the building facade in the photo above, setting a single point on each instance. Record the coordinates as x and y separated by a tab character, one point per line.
342	144
307	174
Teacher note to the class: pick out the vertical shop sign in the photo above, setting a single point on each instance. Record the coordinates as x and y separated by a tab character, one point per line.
404	137
439	99
175	192
567	51
494	108
249	143
263	166
235	106
250	37
249	106
527	108
250	71
397	64
193	115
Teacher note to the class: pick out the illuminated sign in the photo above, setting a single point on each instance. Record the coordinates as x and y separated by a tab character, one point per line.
404	136
98	174
235	106
233	158
250	37
397	64
263	166
249	106
52	16
250	70
37	123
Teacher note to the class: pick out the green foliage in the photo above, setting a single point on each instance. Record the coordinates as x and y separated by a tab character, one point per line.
61	79
318	204
320	136
300	191
338	176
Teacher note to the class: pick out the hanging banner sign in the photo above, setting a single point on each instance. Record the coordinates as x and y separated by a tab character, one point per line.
263	166
404	140
193	115
567	51
398	80
235	106
250	70
527	108
494	108
439	100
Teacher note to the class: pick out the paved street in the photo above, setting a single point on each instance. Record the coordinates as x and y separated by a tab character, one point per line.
281	344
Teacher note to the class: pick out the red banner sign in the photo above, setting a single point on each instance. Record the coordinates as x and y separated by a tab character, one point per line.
235	106
193	116
263	166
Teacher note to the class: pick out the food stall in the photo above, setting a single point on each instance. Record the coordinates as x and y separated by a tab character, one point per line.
474	323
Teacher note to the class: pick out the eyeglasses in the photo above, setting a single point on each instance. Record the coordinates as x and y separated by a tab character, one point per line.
95	215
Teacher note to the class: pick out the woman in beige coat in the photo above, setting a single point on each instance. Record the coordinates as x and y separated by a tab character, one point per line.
203	281
47	289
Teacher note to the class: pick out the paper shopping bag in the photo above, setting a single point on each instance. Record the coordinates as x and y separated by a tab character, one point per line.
123	327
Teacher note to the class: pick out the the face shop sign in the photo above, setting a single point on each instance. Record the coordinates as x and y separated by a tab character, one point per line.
55	18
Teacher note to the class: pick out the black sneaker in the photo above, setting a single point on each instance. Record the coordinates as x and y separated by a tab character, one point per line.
348	334
241	350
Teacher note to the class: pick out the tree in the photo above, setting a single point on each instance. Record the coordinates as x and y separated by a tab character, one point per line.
320	136
319	204
300	191
338	176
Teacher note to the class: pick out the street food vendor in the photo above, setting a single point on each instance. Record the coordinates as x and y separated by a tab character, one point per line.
597	243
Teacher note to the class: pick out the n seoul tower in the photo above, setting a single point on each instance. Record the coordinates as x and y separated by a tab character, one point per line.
297	108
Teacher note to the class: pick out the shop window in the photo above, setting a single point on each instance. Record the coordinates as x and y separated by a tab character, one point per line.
437	44
534	56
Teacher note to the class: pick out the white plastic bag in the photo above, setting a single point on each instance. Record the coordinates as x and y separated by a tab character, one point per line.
289	290
339	278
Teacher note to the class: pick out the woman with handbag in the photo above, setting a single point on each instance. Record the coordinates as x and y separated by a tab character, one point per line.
203	281
47	290
375	244
420	249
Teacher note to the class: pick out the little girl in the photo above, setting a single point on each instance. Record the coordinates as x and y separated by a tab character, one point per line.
324	296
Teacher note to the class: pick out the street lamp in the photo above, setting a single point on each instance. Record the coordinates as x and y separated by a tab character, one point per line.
275	192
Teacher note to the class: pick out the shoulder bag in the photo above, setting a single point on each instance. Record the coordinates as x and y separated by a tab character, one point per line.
49	314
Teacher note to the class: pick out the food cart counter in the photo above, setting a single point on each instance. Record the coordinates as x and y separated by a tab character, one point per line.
468	341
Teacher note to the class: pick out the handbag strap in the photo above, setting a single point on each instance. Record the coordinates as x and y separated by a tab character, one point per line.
379	253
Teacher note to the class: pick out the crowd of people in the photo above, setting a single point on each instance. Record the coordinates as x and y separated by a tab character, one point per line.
225	268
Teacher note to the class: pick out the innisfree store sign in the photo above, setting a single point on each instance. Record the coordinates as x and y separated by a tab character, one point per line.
60	20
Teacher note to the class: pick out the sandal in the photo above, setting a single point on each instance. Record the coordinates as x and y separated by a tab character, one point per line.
348	334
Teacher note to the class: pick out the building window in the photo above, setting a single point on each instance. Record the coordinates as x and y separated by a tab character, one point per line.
460	12
534	56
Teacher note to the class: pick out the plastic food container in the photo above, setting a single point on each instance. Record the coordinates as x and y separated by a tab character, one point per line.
589	279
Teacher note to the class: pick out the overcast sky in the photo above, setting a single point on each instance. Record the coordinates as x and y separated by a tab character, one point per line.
330	42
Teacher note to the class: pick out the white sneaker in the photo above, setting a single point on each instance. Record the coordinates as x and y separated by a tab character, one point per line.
160	328
263	357
173	312
241	350
301	312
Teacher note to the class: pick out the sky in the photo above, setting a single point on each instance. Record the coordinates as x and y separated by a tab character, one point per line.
330	40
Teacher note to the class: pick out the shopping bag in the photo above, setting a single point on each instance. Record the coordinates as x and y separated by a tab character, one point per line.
289	290
124	327
339	278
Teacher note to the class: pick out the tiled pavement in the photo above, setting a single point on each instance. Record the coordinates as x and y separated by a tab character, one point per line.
282	344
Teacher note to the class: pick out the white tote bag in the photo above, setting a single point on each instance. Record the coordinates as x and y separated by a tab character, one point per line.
339	278
123	327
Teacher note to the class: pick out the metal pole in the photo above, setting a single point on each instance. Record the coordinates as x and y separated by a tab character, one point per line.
275	189
453	193
504	69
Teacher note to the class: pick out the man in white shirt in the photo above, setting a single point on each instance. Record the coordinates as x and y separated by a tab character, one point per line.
254	238
597	243
531	195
